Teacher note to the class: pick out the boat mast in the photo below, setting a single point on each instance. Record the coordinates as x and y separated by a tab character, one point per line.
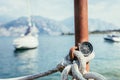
29	13
81	22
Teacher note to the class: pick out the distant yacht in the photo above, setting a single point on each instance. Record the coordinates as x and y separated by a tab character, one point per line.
112	37
29	39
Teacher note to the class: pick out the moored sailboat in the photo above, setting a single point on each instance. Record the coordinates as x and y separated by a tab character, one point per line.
29	39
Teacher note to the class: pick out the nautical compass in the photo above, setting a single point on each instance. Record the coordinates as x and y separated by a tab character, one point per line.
86	48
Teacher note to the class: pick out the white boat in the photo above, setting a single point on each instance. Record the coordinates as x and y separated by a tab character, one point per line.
29	40
112	37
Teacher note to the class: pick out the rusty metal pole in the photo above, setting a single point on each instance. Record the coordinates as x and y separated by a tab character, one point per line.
81	22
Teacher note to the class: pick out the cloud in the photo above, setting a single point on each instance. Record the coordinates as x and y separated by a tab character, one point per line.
12	7
107	10
55	9
3	9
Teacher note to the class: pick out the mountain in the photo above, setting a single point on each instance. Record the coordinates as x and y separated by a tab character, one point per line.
94	25
69	22
51	27
45	26
5	19
99	25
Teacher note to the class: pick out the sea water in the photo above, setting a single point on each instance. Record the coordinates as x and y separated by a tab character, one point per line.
51	51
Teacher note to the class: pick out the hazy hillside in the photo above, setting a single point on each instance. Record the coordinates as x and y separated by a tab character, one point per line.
51	27
94	25
5	19
45	26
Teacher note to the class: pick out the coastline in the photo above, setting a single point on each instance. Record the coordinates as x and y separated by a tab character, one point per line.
95	32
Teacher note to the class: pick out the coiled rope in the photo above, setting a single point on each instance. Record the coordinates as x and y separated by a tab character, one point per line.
78	68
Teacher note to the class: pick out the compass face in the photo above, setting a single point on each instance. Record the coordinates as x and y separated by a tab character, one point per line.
86	48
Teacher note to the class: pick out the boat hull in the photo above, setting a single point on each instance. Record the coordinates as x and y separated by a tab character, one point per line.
26	42
112	39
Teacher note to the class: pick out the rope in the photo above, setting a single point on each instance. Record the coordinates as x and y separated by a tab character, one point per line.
65	72
78	68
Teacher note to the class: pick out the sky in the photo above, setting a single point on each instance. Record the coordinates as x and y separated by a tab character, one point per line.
106	10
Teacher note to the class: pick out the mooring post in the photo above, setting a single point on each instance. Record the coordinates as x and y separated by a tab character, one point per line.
81	22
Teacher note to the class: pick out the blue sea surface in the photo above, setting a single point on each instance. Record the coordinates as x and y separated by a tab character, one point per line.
51	51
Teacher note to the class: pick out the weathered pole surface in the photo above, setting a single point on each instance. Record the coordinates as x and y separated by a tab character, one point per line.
81	22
